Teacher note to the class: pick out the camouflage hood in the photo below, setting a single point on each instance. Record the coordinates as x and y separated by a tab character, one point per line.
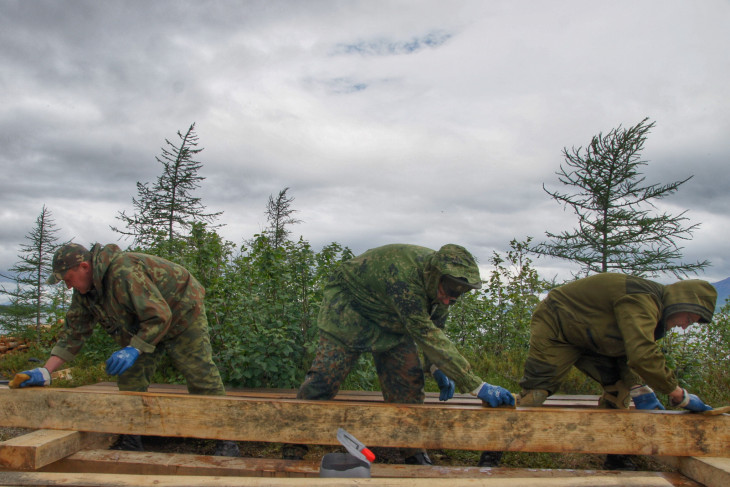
692	296
101	258
453	260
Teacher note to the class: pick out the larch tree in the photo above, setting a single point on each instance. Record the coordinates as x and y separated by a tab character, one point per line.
166	211
619	227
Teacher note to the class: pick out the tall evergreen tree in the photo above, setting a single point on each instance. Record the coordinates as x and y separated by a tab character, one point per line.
165	212
29	274
279	214
617	229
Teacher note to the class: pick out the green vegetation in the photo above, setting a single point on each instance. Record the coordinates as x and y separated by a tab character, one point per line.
263	298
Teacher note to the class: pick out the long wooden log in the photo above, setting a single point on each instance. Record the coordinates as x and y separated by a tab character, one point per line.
120	480
150	463
375	424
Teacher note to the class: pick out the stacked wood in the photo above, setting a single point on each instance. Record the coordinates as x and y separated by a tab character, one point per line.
10	344
59	458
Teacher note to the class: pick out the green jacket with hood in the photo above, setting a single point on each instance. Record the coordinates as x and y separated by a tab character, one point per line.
394	289
138	299
618	315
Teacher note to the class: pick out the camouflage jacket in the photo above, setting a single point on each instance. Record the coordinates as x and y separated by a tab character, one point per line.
138	299
394	288
618	315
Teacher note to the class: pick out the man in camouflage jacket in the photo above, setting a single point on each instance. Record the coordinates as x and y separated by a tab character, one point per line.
391	301
149	306
607	325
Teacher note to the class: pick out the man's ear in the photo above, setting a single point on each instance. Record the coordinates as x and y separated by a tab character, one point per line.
85	266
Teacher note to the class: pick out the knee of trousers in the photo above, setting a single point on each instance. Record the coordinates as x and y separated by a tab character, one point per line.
532	397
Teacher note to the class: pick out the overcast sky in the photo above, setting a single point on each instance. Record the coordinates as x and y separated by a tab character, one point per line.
423	122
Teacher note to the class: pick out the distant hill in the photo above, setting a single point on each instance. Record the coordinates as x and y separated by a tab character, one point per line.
723	291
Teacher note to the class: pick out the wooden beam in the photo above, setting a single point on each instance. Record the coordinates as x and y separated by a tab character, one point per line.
375	424
368	396
39	448
42	447
115	480
149	463
708	471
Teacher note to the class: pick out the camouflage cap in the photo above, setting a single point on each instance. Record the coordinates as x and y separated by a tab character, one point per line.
65	258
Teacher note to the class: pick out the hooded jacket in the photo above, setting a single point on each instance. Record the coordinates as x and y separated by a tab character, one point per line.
618	315
138	299
394	288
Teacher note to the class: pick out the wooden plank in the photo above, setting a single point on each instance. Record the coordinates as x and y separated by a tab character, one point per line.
114	480
38	448
149	463
42	447
375	424
708	471
370	396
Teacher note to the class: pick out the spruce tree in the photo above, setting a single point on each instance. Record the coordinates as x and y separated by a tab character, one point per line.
29	297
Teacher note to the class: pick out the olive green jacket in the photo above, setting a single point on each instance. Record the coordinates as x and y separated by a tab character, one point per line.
138	299
618	315
394	289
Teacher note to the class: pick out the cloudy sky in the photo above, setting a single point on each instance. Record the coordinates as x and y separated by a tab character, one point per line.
421	122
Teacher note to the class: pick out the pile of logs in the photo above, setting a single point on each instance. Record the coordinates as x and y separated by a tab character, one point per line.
10	344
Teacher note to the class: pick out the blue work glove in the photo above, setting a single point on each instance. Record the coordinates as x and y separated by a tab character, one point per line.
495	395
121	360
446	385
36	377
692	403
644	398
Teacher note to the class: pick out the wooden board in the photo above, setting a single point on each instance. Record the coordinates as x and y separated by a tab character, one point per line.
708	471
369	396
39	448
149	463
121	480
375	424
42	447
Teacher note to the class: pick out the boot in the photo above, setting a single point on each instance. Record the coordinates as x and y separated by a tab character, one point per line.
619	462
291	451
490	459
226	448
420	458
128	442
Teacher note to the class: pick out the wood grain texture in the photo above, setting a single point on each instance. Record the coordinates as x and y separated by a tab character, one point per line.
375	424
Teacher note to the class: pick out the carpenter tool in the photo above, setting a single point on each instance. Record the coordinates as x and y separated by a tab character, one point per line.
354	447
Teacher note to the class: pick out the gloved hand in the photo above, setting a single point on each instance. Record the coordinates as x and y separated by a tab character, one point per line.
495	395
36	377
692	403
121	360
446	385
644	398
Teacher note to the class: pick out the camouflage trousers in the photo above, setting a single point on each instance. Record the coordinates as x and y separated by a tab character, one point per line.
551	357
190	353
399	371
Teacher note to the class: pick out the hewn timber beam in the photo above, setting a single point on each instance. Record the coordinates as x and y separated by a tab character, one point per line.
150	463
344	395
708	471
375	424
42	447
39	448
114	480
